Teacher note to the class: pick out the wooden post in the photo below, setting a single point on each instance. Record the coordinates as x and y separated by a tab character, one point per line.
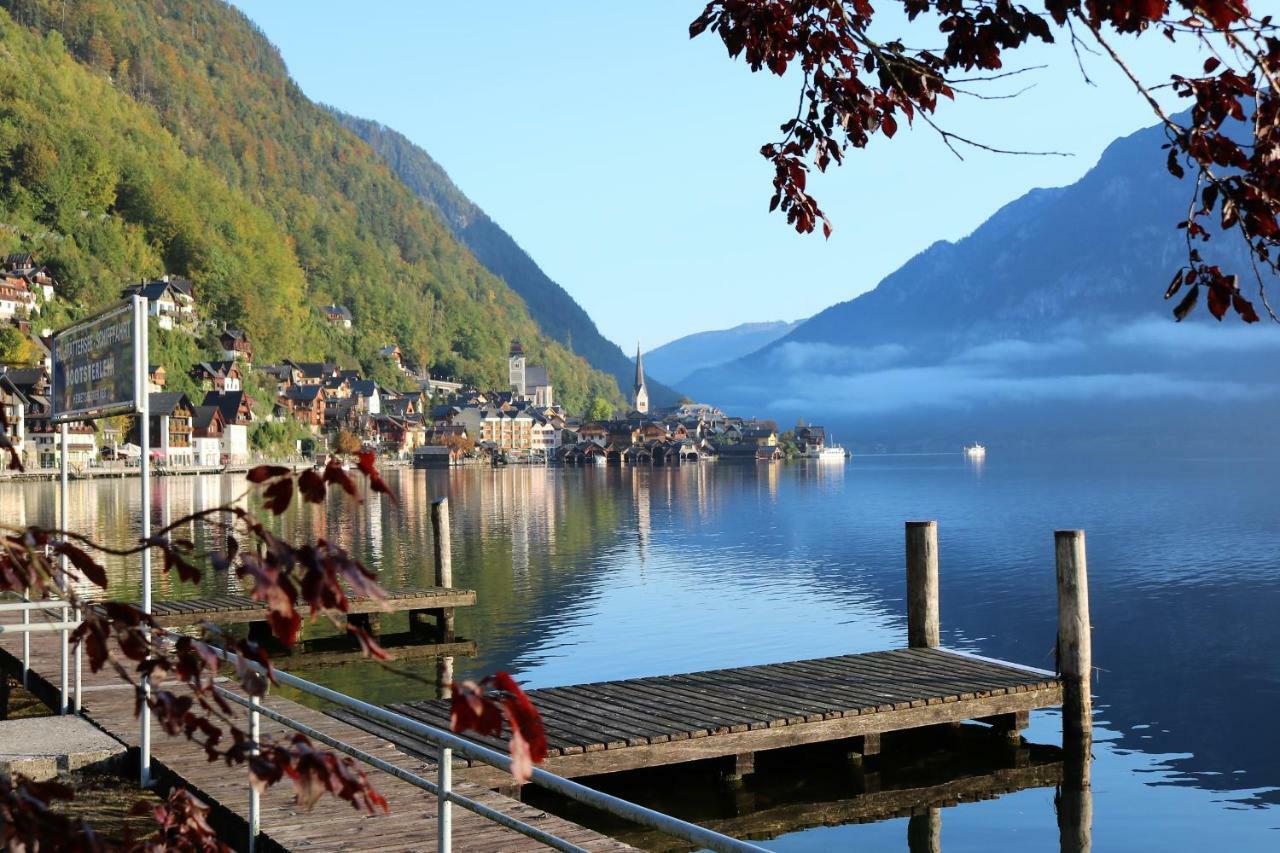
924	831
1075	654
1075	663
922	585
444	560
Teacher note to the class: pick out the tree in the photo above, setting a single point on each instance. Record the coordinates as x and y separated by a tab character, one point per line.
855	85
346	442
600	410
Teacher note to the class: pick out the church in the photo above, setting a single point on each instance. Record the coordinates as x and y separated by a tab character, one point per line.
640	392
528	382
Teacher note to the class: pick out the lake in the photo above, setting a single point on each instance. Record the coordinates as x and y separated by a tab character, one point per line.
589	574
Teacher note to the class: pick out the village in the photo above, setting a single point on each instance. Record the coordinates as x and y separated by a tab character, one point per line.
428	421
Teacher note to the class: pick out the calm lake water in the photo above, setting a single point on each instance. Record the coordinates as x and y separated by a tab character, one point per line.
589	574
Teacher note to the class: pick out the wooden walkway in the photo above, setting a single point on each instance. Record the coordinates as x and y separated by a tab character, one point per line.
239	609
411	825
613	726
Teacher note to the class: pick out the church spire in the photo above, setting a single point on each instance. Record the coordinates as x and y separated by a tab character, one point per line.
640	393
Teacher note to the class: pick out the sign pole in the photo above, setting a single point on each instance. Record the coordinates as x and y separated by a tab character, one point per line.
142	355
62	574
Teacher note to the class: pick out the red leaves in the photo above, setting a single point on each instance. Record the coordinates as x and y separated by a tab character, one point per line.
854	83
263	473
88	567
482	707
278	495
183	824
1224	293
368	467
311	486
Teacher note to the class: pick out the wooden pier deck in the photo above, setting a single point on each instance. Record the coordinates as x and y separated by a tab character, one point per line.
334	826
614	726
239	609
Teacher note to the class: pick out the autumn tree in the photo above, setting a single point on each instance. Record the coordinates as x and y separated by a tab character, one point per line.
856	83
346	442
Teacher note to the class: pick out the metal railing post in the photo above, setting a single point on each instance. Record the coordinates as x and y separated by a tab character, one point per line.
63	703
26	639
75	695
255	722
444	809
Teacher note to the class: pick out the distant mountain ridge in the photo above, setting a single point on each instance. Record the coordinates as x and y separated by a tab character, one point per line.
674	361
555	311
1045	324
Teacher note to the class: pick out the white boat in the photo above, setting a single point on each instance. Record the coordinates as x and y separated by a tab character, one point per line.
826	453
975	451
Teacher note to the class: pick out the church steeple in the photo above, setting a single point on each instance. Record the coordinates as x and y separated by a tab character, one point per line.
640	393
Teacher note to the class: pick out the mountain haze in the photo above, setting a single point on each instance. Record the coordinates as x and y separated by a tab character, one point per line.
677	359
1045	325
146	136
555	311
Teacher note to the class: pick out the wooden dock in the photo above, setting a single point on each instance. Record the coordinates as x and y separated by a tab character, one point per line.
612	726
239	609
411	825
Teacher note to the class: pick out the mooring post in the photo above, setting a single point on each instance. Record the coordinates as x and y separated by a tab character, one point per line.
922	585
1075	653
444	560
1075	663
924	831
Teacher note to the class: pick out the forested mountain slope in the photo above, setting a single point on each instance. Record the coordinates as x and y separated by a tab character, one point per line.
148	136
555	310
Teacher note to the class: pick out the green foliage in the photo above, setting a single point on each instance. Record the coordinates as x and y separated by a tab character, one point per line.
16	349
147	136
787	444
177	352
277	440
601	410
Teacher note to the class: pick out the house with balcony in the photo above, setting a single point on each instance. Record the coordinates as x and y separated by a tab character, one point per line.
170	428
306	405
207	432
236	346
171	300
338	315
218	376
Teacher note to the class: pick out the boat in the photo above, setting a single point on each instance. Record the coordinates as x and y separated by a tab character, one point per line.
975	451
827	453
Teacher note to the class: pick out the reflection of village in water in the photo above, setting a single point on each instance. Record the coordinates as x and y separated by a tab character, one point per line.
525	538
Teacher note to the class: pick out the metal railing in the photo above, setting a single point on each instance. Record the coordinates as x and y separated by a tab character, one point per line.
449	743
446	742
69	620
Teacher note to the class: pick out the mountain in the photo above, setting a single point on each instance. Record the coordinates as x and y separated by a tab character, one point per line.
555	311
1045	325
675	360
146	136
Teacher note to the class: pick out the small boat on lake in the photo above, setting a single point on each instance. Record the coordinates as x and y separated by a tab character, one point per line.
975	451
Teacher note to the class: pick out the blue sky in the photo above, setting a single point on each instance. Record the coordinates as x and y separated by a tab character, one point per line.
624	157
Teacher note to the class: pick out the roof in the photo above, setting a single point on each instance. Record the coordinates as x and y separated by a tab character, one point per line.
26	378
204	416
309	369
639	369
228	401
364	387
305	393
235	334
19	261
164	402
536	376
337	311
155	289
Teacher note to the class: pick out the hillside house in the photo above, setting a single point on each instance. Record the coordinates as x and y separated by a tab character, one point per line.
156	378
338	315
171	300
367	395
218	376
17	302
306	405
22	265
310	372
237	414
15	412
169	430
236	346
208	431
392	353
